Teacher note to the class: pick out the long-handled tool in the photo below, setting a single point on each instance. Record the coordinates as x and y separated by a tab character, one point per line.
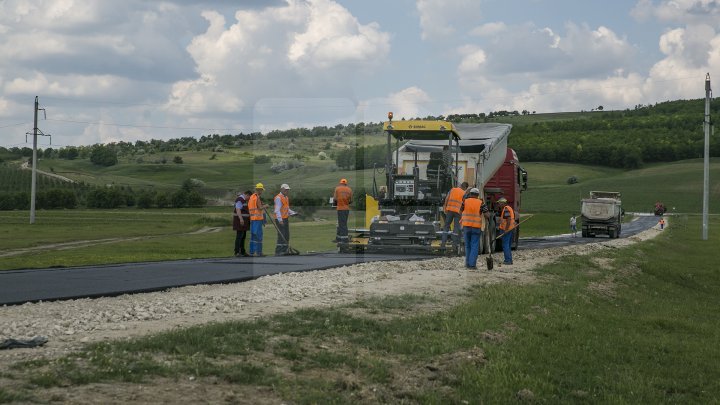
490	261
290	250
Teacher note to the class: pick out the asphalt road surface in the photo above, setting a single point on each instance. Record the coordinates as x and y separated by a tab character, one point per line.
32	285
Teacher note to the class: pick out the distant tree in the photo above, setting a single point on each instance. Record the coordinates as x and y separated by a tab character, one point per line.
178	160
103	156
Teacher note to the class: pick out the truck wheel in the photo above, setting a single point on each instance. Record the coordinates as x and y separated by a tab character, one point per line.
584	233
612	233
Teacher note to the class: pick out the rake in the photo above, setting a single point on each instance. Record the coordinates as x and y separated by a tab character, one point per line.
290	250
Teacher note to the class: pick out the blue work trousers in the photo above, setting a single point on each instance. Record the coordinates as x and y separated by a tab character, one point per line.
473	236
506	244
256	237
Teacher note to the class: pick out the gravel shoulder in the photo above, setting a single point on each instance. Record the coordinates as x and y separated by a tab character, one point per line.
69	325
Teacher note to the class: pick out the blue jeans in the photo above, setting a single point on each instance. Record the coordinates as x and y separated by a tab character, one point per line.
256	237
507	250
473	236
454	219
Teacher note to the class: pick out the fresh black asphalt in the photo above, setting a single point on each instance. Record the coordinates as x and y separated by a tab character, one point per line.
32	285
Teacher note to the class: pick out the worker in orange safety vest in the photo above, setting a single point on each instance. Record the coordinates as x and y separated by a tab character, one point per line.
282	213
472	221
257	221
451	208
506	228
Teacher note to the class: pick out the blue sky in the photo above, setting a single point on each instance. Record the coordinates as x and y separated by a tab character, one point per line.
110	71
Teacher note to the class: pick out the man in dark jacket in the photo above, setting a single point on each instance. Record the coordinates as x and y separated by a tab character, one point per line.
241	222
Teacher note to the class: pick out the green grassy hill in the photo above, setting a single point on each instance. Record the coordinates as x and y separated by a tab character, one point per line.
677	184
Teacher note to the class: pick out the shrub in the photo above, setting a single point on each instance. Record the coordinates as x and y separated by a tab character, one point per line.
178	160
572	180
103	156
259	159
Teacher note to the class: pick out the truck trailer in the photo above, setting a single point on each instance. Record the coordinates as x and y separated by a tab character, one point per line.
427	159
601	214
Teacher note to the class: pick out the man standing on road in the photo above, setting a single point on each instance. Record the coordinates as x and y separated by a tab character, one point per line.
282	220
573	225
241	222
452	205
257	221
342	198
473	210
507	228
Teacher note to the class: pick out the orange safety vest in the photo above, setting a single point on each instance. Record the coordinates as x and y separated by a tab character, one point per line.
454	200
284	205
507	224
343	196
256	213
471	215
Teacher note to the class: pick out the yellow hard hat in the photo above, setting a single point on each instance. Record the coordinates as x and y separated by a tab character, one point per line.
260	186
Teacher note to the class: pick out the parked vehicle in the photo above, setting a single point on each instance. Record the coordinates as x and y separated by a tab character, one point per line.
659	208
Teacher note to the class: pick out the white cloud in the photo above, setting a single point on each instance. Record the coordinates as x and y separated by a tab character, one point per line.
679	11
408	103
489	29
333	36
299	49
529	53
441	18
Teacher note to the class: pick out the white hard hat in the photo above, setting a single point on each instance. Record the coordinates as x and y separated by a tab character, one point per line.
284	187
474	191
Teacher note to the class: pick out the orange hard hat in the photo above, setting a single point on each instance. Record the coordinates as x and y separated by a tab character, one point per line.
343	181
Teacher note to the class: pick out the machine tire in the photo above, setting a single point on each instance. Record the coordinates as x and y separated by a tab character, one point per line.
584	233
612	233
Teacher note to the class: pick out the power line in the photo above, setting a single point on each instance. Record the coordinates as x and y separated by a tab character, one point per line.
141	126
15	125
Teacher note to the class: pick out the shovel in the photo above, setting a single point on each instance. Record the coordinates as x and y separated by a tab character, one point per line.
489	261
290	250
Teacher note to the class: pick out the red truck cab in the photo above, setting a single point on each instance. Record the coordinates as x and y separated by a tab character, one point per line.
509	181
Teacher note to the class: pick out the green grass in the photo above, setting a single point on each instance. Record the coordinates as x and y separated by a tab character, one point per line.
174	237
678	184
640	329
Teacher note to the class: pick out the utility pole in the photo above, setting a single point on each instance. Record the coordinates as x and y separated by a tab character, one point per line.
33	187
706	167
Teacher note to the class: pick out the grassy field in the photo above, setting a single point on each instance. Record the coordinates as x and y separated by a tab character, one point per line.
678	184
227	170
630	325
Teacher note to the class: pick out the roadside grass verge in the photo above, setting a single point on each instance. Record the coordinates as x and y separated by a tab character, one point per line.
629	325
200	244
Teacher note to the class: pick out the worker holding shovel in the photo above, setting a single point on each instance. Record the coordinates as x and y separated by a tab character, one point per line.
507	227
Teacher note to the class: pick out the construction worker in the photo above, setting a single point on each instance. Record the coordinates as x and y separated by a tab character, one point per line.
342	198
282	220
662	223
453	203
473	210
573	225
506	228
257	221
241	222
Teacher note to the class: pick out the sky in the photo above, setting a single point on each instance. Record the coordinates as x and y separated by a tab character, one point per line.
109	71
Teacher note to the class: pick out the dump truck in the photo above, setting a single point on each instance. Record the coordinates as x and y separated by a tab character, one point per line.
601	214
428	158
